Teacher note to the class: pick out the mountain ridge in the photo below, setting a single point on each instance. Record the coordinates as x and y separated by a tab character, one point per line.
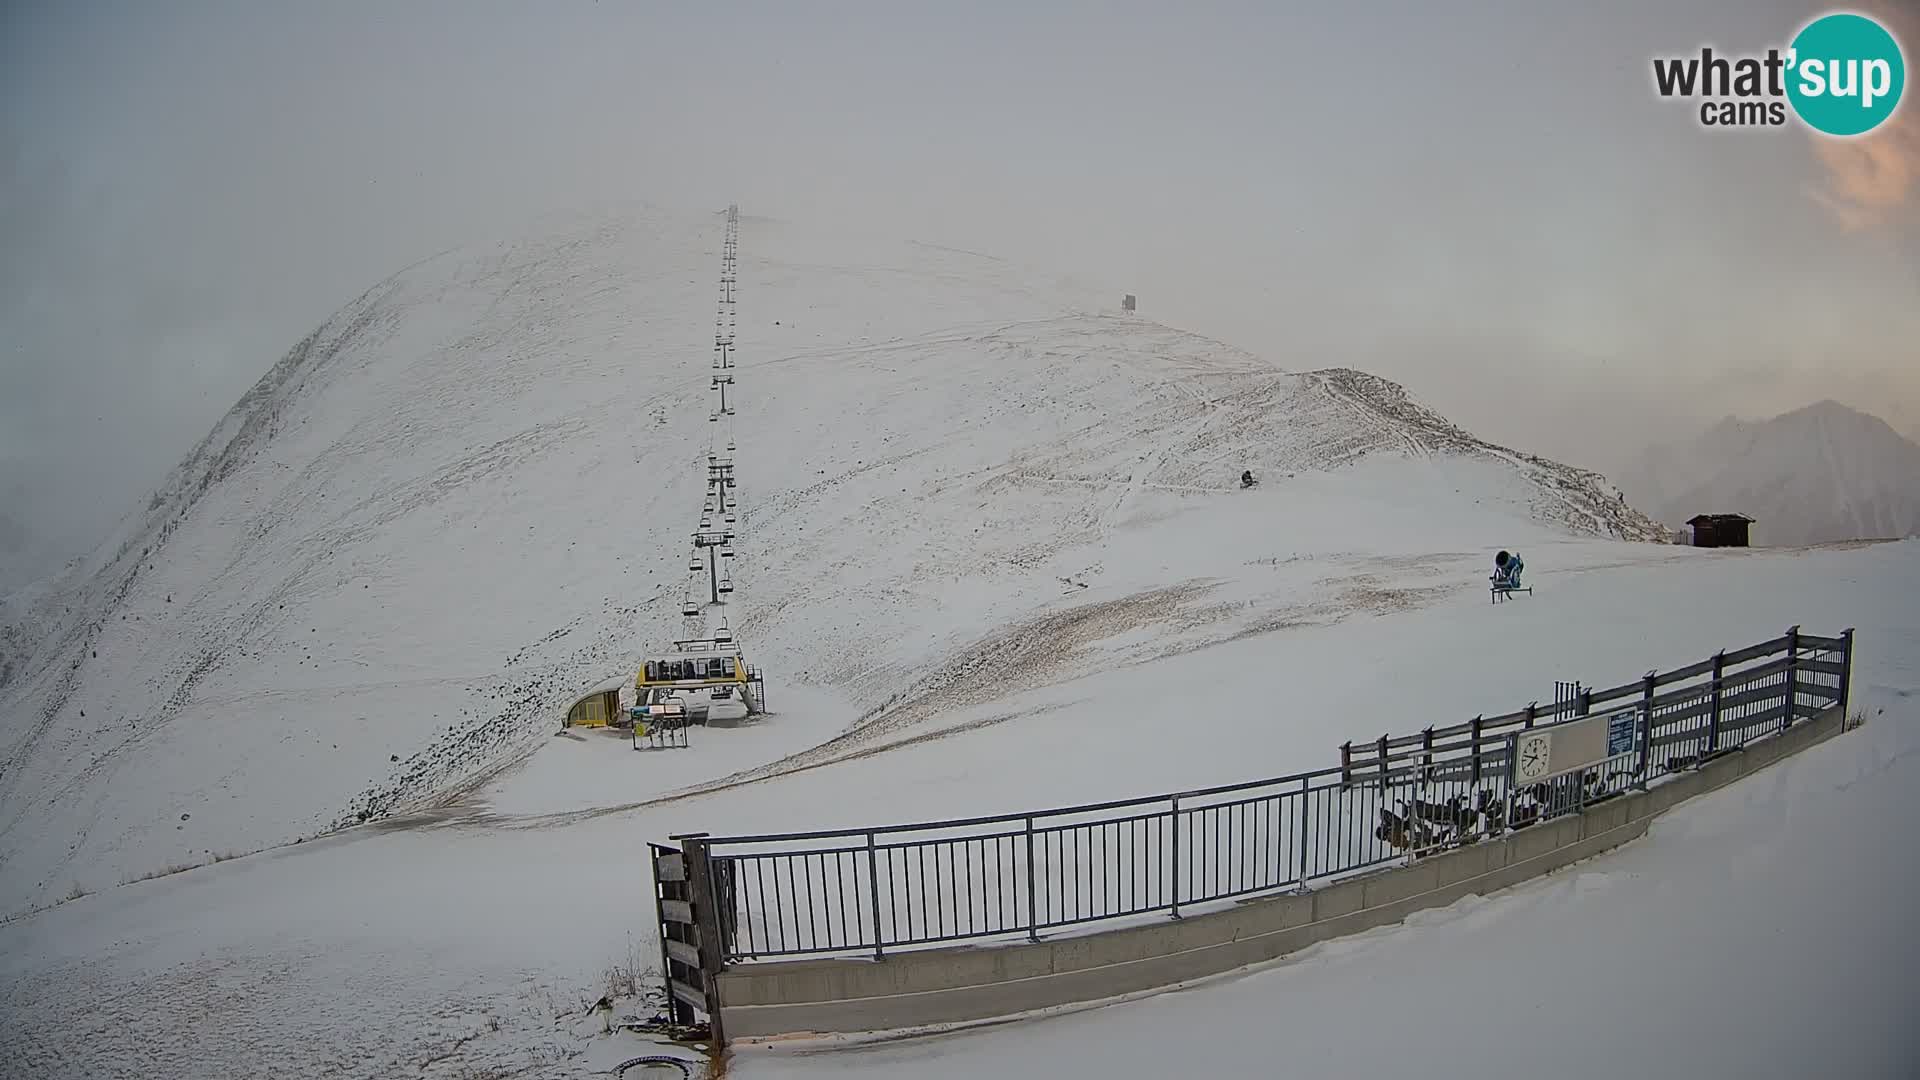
462	500
1821	473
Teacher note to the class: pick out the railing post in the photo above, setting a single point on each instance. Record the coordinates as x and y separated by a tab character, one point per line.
1476	751
1173	864
1713	719
1846	673
1646	728
1513	762
706	921
1383	762
1033	916
873	887
1512	750
1306	801
1793	675
678	1010
1346	765
1583	706
1426	755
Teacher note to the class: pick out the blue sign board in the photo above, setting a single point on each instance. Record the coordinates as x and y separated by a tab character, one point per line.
1620	731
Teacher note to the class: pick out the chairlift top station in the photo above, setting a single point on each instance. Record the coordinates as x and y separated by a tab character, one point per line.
703	660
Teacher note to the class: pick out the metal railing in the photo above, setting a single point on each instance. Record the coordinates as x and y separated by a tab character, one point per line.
867	890
662	733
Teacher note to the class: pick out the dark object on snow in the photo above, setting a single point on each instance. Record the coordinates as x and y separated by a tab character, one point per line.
1506	576
1247	480
657	1063
1506	569
1719	530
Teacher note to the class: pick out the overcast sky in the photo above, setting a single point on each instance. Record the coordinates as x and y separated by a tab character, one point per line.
1484	201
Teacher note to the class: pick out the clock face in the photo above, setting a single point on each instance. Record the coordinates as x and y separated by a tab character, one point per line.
1533	756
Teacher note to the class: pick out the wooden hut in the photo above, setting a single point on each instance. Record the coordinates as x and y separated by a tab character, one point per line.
1719	530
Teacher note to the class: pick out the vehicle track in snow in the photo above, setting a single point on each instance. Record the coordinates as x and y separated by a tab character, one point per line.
1046	650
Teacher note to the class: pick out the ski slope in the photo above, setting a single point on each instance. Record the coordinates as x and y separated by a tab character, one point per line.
992	559
463	501
1762	931
475	944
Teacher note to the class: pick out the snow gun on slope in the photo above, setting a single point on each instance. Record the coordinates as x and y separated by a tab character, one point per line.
1506	576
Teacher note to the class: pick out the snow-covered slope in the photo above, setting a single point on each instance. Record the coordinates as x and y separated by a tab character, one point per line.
1764	896
472	947
465	499
1818	474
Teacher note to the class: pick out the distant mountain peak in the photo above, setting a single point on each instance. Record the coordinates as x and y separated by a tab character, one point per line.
1822	472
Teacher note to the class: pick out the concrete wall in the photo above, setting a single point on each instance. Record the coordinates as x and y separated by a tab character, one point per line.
985	981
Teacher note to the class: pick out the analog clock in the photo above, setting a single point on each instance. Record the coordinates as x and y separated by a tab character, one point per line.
1533	755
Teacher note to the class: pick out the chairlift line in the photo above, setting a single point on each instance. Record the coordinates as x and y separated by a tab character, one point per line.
722	670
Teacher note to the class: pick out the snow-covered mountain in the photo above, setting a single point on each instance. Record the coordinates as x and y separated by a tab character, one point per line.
993	559
464	500
1818	474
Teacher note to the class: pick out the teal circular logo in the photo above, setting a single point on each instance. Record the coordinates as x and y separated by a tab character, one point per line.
1846	74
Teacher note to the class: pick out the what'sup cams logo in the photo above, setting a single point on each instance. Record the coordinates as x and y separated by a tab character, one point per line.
1842	75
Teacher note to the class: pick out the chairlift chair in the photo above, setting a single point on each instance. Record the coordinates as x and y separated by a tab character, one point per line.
726	585
689	609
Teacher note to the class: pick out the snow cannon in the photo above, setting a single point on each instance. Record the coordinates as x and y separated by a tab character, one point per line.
1506	577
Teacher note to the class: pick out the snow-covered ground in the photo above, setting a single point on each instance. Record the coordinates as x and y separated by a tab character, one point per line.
466	499
1765	930
994	560
378	951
